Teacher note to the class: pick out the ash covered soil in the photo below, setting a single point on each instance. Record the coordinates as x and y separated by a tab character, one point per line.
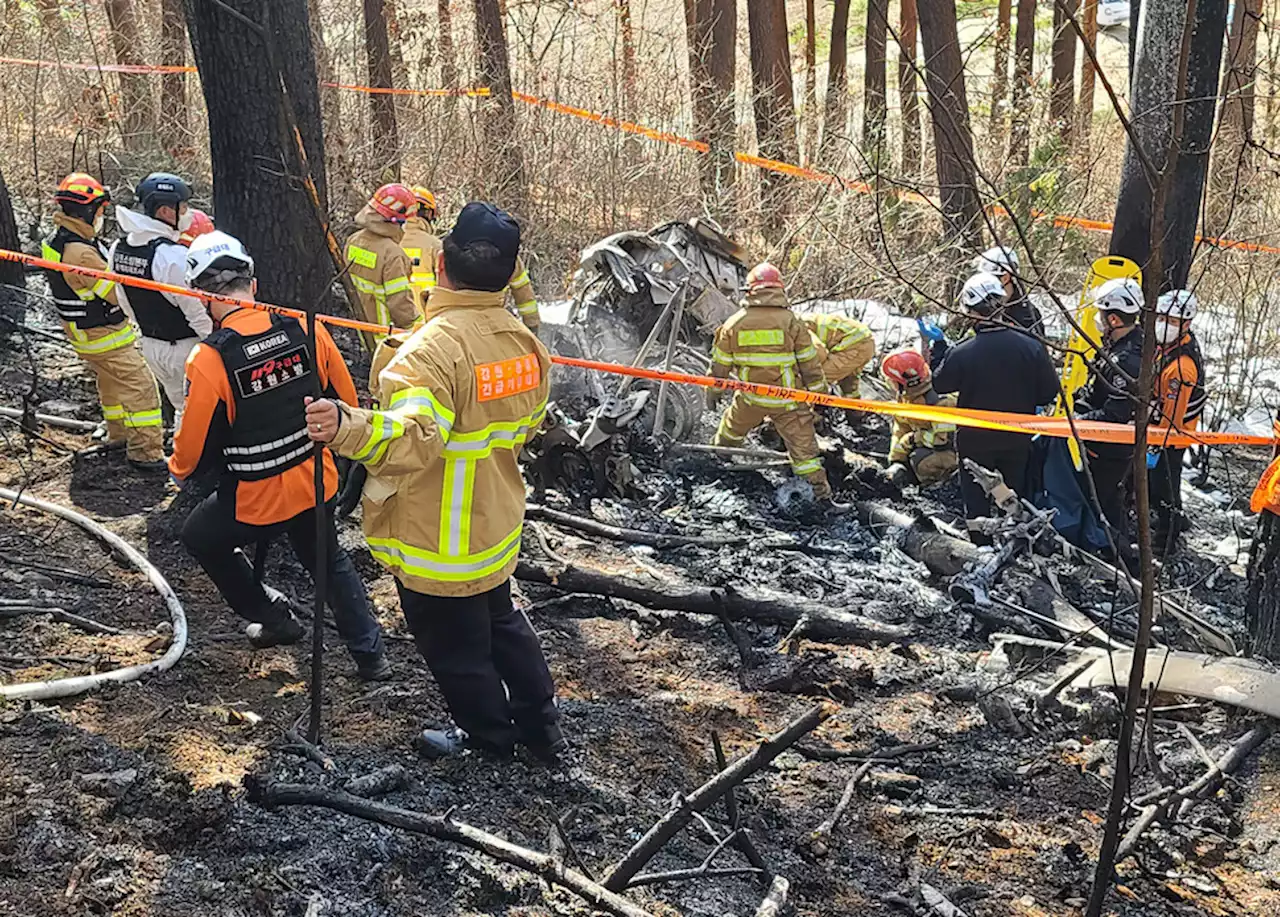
131	800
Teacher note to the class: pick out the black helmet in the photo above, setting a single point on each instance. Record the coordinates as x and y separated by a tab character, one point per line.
161	189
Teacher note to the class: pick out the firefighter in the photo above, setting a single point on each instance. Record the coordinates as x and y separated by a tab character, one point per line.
378	265
422	245
201	223
99	330
245	420
1109	395
920	451
171	324
765	342
1180	400
999	368
444	502
847	348
1003	262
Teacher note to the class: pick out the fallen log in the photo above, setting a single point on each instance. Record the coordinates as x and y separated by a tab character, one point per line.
943	554
445	828
379	783
746	603
631	536
706	795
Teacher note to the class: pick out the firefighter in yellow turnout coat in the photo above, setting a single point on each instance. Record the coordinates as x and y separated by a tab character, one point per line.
378	266
767	343
847	348
98	328
422	245
444	499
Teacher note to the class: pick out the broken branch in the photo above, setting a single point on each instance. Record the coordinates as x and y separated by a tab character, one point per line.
682	813
438	826
774	902
631	536
60	614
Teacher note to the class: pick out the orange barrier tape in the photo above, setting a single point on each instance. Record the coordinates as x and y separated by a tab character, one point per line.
1060	427
1060	221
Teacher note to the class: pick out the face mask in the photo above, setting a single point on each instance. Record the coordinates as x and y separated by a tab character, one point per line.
1167	333
1101	321
185	221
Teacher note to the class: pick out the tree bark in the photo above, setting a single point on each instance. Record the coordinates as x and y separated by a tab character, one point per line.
873	82
810	81
1000	73
506	170
773	99
137	108
256	167
10	271
712	27
395	44
448	64
338	165
1262	601
949	112
382	106
174	129
836	103
1154	93
1232	160
1024	46
1087	76
908	36
627	33
1062	103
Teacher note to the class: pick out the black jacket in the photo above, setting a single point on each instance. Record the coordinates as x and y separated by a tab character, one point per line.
998	369
1109	395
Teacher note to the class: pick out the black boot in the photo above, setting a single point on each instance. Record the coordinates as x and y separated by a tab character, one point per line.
287	629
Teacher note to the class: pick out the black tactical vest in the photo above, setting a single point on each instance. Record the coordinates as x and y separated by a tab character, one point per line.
87	310
270	375
158	318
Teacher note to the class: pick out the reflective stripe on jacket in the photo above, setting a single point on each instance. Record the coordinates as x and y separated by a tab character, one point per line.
379	270
836	332
444	501
909	434
1180	392
421	245
85	301
766	343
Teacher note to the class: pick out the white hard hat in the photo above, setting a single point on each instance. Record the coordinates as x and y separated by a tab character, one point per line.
215	259
980	288
998	260
1179	304
1123	294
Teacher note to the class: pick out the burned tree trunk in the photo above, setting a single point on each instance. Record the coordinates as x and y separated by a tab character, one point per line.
1024	47
1232	159
343	193
908	102
1000	73
241	72
836	114
448	65
773	99
1087	76
712	37
382	105
1062	94
174	129
138	111
873	81
395	44
507	166
10	271
1155	93
949	112
1262	601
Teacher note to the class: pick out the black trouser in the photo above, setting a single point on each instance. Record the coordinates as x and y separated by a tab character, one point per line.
1006	454
1166	491
488	663
1110	471
212	534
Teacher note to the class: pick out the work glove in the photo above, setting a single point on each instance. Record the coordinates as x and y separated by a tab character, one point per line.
929	331
714	396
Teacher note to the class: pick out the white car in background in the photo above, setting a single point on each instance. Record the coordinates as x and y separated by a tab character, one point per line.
1113	13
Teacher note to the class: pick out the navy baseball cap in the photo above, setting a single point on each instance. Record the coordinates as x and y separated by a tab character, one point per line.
483	222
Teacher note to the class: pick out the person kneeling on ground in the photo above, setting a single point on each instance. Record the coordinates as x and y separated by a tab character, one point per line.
246	418
920	451
444	500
